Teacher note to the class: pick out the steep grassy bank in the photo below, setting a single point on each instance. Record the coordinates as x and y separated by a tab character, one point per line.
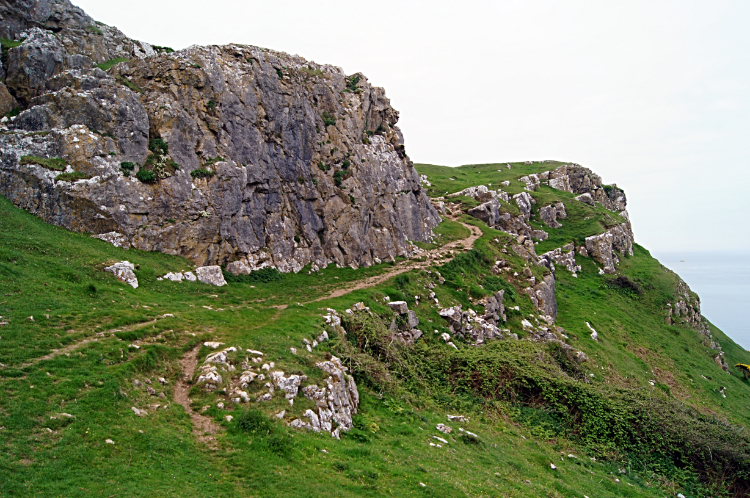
530	404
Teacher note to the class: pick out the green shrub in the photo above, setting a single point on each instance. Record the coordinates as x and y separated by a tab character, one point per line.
280	74
328	119
166	50
211	105
104	66
264	275
71	177
213	160
352	84
13	112
202	173
346	164
55	163
94	29
253	421
158	146
146	176
338	177
352	199
128	83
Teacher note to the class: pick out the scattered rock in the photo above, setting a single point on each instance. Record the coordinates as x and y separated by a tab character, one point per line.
139	413
124	272
594	334
444	428
211	275
109	441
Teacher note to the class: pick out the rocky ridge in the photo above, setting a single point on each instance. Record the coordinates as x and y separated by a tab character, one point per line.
246	157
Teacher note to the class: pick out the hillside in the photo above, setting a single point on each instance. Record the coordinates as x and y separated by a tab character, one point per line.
645	405
221	275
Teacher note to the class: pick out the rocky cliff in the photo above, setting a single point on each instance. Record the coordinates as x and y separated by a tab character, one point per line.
230	155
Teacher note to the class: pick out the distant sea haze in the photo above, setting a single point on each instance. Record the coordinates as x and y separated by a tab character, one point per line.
722	280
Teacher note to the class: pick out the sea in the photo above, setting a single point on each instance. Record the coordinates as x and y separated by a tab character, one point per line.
722	281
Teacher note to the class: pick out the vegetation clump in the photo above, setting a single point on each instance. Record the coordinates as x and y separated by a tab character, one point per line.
352	84
202	173
104	66
146	176
328	119
127	167
55	163
71	177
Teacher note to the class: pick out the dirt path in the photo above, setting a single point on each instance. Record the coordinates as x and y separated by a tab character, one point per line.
203	427
429	258
72	347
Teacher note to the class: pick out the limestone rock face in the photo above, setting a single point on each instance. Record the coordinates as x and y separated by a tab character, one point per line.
564	256
550	214
602	247
292	162
542	295
489	212
579	180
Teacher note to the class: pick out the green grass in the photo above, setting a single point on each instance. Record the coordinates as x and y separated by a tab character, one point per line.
128	83
447	231
71	177
54	163
529	406
104	66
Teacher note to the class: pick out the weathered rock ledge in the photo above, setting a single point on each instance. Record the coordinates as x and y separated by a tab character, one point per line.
270	160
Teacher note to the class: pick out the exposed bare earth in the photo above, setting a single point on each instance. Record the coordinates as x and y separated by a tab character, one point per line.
203	427
426	259
72	347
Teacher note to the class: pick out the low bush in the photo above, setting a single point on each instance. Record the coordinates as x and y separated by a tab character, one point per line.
127	167
328	119
146	176
264	275
202	173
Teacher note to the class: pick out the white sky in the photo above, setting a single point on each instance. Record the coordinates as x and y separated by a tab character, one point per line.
652	95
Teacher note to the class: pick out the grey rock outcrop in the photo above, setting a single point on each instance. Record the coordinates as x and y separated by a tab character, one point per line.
210	275
550	214
489	212
579	180
337	402
477	329
564	256
686	310
404	326
542	295
604	247
296	162
124	272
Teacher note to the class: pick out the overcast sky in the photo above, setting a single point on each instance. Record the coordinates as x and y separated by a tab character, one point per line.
652	95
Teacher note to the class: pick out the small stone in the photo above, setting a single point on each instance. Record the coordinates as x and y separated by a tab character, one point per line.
444	428
228	418
139	413
552	466
281	414
293	350
109	441
220	405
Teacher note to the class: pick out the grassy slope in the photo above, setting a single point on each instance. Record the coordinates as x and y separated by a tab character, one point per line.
48	271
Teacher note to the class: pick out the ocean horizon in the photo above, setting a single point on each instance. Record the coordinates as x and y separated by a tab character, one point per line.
722	281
